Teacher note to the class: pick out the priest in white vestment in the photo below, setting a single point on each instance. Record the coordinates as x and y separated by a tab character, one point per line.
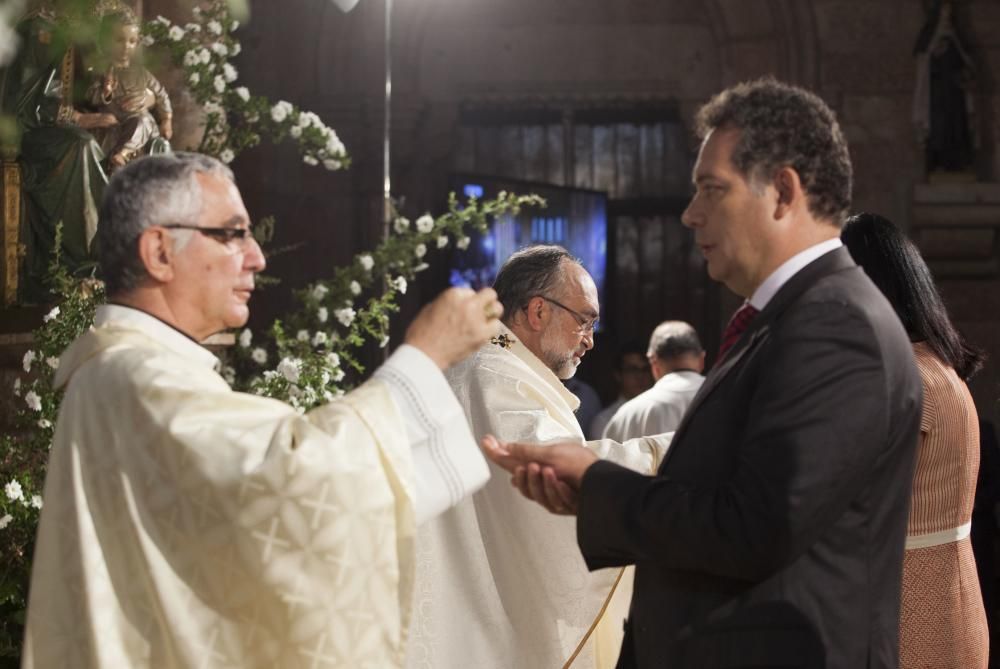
501	583
187	525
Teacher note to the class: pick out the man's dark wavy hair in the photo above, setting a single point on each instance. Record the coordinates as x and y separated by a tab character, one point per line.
785	126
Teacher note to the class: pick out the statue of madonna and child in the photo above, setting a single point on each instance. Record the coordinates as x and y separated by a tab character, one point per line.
83	111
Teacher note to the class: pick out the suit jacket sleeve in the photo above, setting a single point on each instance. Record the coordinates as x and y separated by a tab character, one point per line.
818	422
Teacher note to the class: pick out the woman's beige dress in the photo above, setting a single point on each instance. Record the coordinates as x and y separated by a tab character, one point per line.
942	620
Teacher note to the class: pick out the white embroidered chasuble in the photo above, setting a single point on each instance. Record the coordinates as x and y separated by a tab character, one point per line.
187	525
500	581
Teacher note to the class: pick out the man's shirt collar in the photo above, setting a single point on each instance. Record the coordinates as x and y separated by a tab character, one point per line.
773	283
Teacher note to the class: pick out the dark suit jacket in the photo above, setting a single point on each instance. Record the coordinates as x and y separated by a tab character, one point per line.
772	535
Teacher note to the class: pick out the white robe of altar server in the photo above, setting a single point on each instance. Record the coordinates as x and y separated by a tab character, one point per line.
500	582
187	525
656	410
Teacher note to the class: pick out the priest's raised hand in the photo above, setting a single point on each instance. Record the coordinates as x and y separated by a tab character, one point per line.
455	324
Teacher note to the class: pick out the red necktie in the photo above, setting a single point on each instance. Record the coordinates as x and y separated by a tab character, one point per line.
737	325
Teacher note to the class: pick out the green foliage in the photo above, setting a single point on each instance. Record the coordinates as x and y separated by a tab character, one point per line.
313	354
24	453
235	119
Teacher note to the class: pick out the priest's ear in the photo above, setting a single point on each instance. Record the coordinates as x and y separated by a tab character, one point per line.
536	313
157	248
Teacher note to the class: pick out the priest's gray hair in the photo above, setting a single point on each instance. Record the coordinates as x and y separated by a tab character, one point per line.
155	190
530	272
672	339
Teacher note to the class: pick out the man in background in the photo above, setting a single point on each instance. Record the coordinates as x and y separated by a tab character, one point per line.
677	360
632	374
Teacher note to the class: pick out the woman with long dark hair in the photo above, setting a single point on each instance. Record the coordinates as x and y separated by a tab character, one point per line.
942	620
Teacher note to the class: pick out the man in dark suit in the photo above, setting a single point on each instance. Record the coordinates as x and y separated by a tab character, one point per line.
772	534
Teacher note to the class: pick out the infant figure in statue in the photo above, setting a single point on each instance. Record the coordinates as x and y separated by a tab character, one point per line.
128	93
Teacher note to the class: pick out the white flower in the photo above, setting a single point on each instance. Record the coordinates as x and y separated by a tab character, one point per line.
52	362
220	49
235	50
191	58
309	160
13	490
425	223
366	262
194	78
463	243
214	27
302	335
338	376
295	131
44	423
243	93
259	355
401	225
229	72
320	291
147	40
305	119
332	164
226	155
333	143
421	267
290	368
280	111
234	25
33	401
162	19
29	357
51	315
17	387
204	56
399	283
345	316
36	501
324	377
196	11
420	250
5	521
192	27
442	241
355	288
229	374
384	341
333	360
322	314
319	338
175	33
245	338
219	83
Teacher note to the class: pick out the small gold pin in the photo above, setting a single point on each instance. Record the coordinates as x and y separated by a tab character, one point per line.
503	341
